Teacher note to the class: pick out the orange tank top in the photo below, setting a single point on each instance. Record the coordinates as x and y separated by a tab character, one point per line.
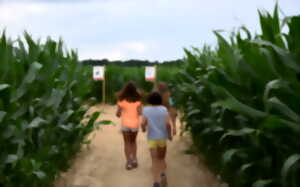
129	115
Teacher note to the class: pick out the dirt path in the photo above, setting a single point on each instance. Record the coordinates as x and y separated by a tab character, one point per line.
102	163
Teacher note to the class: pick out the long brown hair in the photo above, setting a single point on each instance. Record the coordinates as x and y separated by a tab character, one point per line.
129	93
163	89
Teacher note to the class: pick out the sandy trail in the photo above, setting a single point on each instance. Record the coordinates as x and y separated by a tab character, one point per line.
102	163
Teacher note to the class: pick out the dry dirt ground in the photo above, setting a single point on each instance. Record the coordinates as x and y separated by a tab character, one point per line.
102	163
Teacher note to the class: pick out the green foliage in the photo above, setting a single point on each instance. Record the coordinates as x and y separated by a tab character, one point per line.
42	90
241	103
117	76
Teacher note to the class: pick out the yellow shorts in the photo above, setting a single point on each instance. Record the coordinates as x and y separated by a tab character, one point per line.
157	143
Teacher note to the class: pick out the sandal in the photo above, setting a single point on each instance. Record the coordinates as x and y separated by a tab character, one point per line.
134	164
129	165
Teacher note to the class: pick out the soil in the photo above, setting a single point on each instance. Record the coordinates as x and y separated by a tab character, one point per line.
102	163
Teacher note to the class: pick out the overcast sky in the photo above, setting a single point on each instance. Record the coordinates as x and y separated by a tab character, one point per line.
133	29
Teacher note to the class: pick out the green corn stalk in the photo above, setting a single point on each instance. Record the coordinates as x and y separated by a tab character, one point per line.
241	103
42	91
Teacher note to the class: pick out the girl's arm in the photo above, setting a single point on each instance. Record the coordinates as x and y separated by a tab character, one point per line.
119	111
173	115
144	124
140	109
169	127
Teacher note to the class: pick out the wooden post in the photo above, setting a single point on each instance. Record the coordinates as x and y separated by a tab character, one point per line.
155	78
103	86
99	75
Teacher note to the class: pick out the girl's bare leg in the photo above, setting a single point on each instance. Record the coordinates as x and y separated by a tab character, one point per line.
133	145
161	154
158	163
127	151
155	166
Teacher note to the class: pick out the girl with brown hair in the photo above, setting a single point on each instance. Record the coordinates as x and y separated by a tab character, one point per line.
129	110
163	89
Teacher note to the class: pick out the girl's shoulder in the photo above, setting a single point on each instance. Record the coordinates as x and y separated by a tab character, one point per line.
163	108
119	102
136	103
155	108
125	102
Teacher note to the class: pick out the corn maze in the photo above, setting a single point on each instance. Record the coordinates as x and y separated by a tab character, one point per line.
240	102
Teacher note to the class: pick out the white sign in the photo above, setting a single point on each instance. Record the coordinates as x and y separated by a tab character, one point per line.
98	72
150	73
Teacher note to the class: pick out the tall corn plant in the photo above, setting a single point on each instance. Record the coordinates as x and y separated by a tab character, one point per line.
242	106
42	90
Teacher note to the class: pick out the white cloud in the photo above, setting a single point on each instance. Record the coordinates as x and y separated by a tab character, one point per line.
100	52
119	51
10	13
137	47
123	29
111	55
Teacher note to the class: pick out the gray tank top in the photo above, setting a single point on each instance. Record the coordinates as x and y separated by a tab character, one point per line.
157	119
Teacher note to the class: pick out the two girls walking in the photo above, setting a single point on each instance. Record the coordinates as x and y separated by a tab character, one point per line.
155	119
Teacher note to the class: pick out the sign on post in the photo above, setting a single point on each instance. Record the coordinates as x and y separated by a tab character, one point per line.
150	73
98	72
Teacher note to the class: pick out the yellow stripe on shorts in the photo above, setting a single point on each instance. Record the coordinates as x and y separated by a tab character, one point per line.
157	143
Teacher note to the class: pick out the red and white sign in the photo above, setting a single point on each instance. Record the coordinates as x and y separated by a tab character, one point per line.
98	72
150	73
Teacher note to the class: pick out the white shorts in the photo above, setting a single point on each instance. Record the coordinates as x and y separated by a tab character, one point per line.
128	129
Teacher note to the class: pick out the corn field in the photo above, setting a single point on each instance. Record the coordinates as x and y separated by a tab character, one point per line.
241	103
42	91
43	94
116	77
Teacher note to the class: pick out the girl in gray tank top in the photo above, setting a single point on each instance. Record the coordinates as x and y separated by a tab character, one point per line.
157	119
158	124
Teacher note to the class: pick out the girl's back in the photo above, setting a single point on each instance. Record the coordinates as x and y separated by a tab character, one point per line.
157	118
130	114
